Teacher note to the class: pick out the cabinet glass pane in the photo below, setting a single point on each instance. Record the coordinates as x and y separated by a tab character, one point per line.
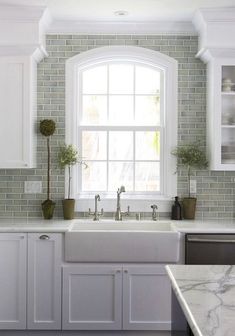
95	80
94	145
147	176
147	146
120	173
228	145
121	78
120	145
228	78
94	110
121	109
147	110
147	80
94	177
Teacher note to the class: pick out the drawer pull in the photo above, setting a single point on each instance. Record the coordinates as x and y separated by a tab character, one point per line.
44	237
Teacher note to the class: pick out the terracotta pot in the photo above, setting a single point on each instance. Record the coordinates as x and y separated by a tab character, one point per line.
68	208
189	207
48	207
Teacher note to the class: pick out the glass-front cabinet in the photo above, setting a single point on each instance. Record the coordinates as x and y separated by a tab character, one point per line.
221	114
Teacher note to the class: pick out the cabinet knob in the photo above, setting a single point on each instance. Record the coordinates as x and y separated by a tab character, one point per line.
44	237
118	271
125	271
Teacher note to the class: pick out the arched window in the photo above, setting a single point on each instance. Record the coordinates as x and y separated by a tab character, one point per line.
121	113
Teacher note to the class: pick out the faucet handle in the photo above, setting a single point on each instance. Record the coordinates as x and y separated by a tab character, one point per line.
101	212
154	207
89	212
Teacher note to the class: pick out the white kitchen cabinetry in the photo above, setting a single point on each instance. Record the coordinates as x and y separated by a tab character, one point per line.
221	113
13	248
92	297
129	297
17	111
146	298
44	281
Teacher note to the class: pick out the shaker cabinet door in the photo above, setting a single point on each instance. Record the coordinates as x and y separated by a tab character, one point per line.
146	298
13	248
92	297
44	280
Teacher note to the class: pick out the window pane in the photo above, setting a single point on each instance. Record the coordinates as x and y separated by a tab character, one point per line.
94	145
147	146
147	110
121	110
121	78
147	176
94	177
120	173
120	145
94	110
95	80
147	80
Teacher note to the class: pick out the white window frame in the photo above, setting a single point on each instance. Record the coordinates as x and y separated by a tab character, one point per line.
138	201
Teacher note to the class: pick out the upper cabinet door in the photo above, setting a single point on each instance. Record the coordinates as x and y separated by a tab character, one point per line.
221	114
17	111
146	298
13	248
92	297
44	281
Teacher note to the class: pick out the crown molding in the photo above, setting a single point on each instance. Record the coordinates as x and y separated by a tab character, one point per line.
216	28
37	51
208	54
107	27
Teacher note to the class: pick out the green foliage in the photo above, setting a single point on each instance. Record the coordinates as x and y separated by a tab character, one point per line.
47	127
68	156
191	156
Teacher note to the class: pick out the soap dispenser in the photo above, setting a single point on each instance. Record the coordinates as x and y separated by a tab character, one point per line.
176	211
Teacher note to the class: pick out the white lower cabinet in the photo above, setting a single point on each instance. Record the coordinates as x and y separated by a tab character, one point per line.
115	297
146	298
92	297
13	249
44	281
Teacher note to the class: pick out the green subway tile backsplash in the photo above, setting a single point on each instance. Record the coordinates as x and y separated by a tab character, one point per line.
215	189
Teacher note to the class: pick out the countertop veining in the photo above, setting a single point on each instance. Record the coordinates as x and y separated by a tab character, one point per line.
207	297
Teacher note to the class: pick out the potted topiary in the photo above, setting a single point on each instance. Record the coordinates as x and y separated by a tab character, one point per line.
68	156
191	156
47	128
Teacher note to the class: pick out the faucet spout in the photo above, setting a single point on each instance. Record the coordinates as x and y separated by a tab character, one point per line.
119	213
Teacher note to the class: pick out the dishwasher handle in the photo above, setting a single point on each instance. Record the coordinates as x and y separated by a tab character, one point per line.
210	240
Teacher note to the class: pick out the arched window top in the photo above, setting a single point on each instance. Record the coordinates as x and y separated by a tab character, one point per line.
135	128
117	53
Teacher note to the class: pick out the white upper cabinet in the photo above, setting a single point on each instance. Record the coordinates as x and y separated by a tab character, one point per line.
217	49
17	112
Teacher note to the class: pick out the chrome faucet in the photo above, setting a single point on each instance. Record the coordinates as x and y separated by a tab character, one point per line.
119	213
154	213
96	213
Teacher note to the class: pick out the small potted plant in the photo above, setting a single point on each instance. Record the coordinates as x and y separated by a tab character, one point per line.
47	128
191	156
68	156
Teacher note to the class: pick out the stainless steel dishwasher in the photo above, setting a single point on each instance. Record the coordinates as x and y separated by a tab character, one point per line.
210	249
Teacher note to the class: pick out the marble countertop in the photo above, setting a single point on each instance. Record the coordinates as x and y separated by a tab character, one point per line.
61	225
207	297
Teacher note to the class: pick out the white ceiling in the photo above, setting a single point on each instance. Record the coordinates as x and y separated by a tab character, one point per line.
139	10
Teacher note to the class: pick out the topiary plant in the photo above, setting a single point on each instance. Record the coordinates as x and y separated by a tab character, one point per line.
47	128
191	156
68	156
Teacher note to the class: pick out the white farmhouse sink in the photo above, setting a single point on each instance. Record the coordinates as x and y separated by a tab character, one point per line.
125	241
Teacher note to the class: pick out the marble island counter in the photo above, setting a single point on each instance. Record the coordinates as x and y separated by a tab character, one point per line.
206	295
